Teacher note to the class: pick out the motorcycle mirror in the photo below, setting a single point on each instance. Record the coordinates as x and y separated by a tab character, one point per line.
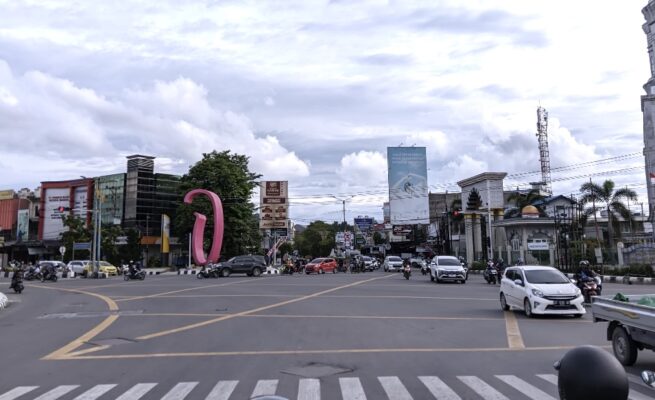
518	282
648	377
573	281
557	365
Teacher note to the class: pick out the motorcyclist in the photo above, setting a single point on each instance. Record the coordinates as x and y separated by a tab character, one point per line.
584	274
491	268
17	278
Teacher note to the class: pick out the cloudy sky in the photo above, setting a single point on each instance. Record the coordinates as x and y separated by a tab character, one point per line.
315	91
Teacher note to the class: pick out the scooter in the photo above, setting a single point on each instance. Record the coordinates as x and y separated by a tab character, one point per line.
491	275
49	275
207	271
33	273
136	274
589	288
407	272
17	282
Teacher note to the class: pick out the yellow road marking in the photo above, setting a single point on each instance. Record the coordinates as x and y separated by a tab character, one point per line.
316	316
411	297
186	296
321	351
514	339
255	310
183	290
64	352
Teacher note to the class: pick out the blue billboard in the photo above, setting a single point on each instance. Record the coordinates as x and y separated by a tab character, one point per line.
363	223
408	185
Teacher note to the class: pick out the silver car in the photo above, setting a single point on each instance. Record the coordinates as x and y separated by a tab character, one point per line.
447	269
392	263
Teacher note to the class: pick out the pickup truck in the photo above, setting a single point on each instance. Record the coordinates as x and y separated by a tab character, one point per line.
631	326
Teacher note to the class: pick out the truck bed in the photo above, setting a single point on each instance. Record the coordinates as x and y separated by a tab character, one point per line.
639	316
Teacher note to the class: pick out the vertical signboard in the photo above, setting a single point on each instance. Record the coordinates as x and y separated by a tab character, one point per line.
408	185
23	225
165	233
274	204
80	202
53	225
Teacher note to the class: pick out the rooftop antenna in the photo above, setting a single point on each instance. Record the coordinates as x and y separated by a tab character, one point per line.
544	154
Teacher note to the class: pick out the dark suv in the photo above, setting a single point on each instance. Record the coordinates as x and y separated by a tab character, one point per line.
249	265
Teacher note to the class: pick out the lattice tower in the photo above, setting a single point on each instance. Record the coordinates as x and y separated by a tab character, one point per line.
544	155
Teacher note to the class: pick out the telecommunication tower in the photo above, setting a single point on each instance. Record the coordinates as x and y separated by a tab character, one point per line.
544	155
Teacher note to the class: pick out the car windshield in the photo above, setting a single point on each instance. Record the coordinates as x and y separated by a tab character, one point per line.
448	261
317	261
394	259
545	276
367	258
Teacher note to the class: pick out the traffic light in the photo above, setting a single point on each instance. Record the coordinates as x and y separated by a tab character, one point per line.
455	213
61	209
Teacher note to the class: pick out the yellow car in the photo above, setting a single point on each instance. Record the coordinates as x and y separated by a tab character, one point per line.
107	268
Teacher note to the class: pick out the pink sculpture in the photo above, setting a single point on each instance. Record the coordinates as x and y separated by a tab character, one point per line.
199	228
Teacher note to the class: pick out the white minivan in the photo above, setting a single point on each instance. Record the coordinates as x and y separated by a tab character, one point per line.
540	290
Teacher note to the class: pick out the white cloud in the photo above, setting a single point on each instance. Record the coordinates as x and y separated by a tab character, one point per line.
364	168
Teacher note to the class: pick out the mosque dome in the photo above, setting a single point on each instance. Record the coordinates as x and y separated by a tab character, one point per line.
530	212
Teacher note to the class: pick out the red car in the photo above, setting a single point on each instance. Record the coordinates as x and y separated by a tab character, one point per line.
321	266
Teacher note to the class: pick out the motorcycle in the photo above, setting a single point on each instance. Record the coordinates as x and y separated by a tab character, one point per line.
33	274
207	271
136	274
491	275
49	275
589	288
287	269
17	282
407	272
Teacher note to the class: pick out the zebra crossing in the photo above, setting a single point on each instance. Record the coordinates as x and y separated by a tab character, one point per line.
496	387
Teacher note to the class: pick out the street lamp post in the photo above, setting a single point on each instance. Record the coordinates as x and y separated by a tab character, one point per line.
345	226
147	235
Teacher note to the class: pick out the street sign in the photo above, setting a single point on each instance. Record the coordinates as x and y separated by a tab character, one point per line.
62	250
82	246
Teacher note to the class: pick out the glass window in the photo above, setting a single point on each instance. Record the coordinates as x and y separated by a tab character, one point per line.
546	276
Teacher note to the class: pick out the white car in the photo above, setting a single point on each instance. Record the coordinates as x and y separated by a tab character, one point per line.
540	290
392	263
447	268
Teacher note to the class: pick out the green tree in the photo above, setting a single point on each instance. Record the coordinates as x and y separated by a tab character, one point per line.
110	251
521	200
317	240
604	196
228	176
132	250
76	232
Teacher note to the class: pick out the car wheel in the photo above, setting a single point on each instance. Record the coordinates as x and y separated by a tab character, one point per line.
320	271
625	349
334	270
503	302
527	308
431	278
256	271
463	281
307	273
225	272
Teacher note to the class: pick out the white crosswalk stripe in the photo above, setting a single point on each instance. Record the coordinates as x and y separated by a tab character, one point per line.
222	391
57	392
498	387
524	387
309	389
265	387
394	388
180	391
95	392
137	391
482	388
17	392
351	389
438	388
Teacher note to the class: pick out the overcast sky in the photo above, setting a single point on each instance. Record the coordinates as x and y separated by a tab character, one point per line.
315	91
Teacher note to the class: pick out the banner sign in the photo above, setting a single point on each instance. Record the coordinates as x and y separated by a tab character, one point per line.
274	206
165	233
53	225
408	185
23	225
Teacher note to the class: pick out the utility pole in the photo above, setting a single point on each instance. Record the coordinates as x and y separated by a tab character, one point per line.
490	251
593	204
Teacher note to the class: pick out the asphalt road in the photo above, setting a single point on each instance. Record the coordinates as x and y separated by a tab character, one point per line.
342	336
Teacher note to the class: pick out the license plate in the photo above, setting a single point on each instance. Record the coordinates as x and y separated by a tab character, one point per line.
562	302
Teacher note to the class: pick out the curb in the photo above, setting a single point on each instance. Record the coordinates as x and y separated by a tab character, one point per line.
185	272
642	280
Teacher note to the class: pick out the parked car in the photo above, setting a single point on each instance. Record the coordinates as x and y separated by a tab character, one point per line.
246	264
447	268
540	290
58	265
392	263
321	266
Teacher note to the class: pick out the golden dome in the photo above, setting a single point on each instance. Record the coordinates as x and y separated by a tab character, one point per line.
530	211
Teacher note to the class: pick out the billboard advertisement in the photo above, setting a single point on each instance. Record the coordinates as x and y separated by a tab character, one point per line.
274	204
23	225
363	223
408	185
53	224
80	207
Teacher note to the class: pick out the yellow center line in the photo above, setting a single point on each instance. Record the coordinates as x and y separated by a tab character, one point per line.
318	316
65	351
252	311
514	339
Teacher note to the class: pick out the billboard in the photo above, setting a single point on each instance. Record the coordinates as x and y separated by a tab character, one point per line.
23	225
364	223
80	207
408	185
274	204
53	225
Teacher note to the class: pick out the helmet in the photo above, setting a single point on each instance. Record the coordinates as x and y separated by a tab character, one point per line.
589	372
584	263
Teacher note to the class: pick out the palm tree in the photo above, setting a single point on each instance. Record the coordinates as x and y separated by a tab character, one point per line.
611	200
524	199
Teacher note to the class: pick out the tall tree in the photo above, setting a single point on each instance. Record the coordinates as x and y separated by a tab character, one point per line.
228	176
77	232
521	200
609	199
317	240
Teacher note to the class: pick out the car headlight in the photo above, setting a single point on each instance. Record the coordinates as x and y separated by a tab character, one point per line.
577	292
537	293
